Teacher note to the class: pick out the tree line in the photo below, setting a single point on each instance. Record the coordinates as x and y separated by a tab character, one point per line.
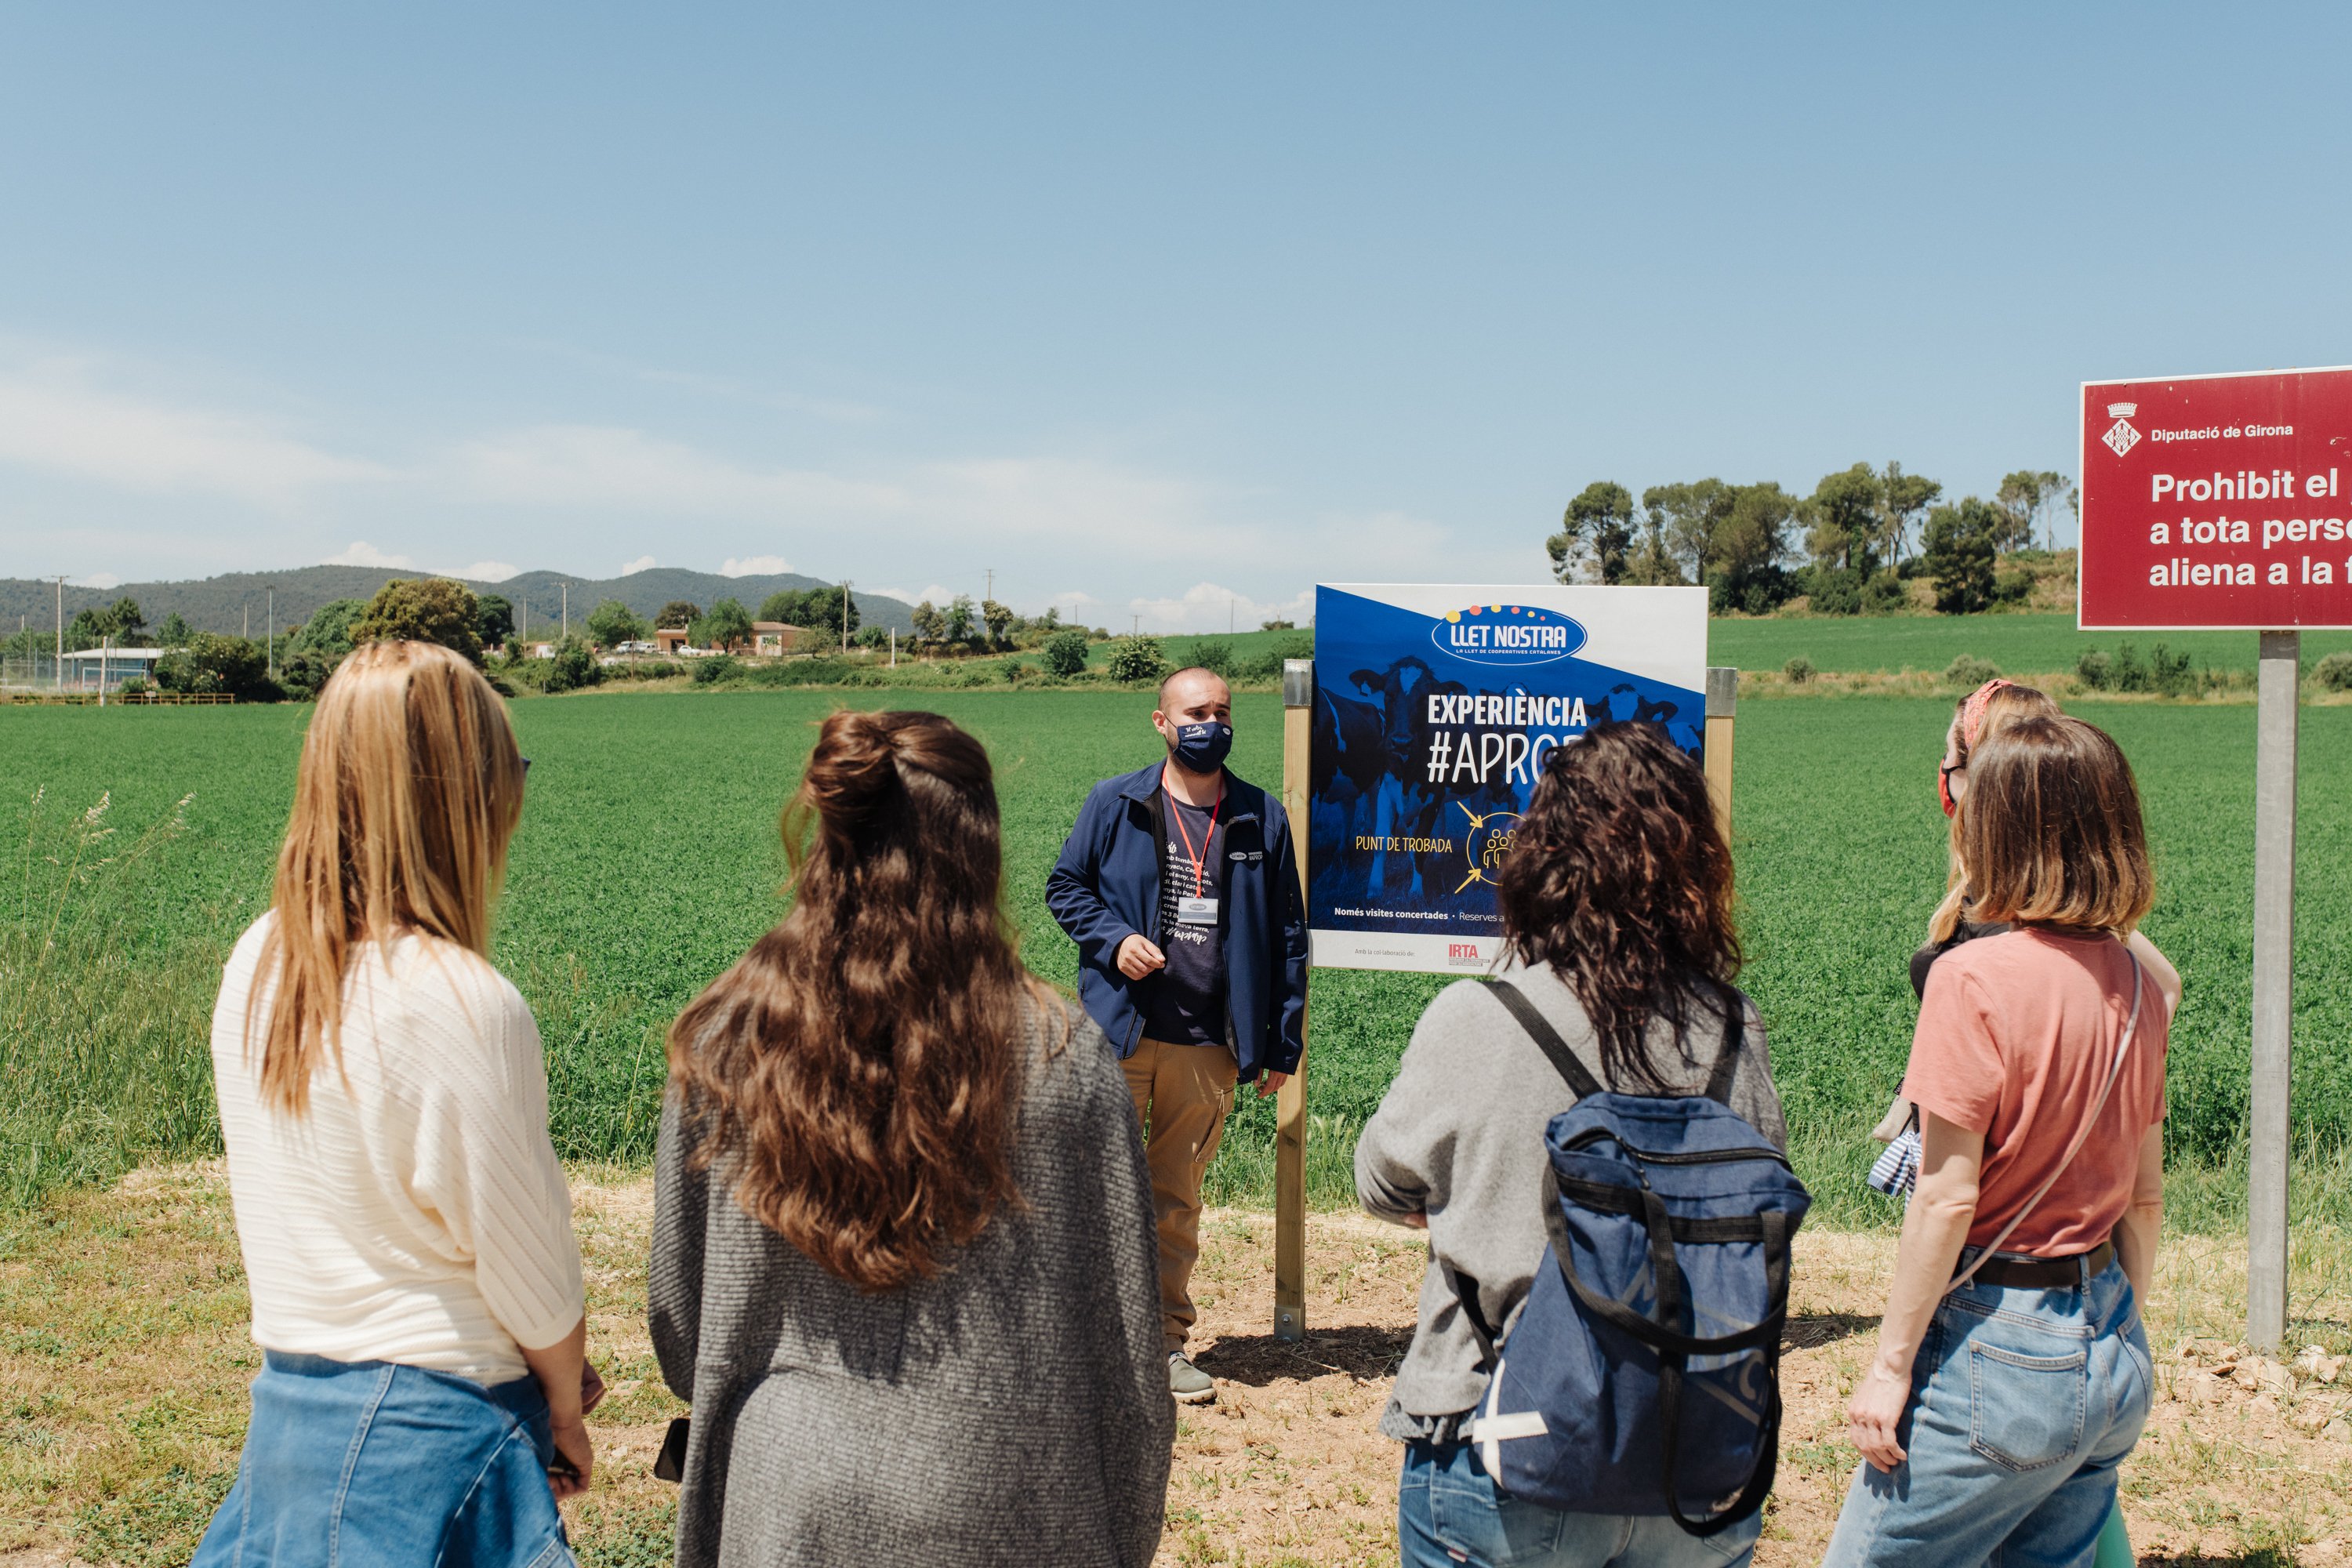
1852	546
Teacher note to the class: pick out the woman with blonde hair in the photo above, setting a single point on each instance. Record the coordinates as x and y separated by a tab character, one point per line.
904	1262
406	1226
2012	1374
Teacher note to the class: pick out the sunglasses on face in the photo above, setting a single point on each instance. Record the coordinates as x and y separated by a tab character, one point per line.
1944	772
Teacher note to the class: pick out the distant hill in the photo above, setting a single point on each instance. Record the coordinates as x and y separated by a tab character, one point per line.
222	603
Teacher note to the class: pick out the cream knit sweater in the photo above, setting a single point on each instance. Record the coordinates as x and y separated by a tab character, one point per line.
415	1212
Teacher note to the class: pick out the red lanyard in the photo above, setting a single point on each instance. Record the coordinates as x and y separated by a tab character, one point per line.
1200	861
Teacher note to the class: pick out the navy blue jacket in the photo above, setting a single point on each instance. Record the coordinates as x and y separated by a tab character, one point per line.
1105	889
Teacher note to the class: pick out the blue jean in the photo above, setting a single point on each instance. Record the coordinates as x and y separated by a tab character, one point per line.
2024	1401
1449	1513
370	1465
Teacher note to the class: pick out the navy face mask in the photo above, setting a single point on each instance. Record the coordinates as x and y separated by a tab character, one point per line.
1201	747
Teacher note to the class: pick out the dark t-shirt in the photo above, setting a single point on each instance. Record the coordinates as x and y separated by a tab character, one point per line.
1924	959
1188	997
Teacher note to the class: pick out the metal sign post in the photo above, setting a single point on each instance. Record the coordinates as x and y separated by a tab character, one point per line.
2221	500
1290	1100
2268	1135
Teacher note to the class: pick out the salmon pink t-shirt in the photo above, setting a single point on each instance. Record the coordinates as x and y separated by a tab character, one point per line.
2016	1036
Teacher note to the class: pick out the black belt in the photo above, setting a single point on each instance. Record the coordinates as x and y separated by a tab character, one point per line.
2046	1273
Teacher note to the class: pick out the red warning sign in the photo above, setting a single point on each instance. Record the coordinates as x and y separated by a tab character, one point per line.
2218	501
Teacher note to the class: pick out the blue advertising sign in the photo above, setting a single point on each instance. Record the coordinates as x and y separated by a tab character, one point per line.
1434	705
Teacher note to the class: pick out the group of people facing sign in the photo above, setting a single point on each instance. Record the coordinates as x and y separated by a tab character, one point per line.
925	1229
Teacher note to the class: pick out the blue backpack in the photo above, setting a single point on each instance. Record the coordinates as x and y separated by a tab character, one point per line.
1643	1375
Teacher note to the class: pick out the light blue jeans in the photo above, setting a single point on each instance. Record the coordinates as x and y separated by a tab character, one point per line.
1449	1513
370	1465
2022	1405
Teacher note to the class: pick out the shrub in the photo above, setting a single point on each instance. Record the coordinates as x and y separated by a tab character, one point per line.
978	675
2335	671
715	668
1014	670
1216	656
2010	586
1137	659
2163	673
1883	595
1835	590
1267	666
215	663
1065	651
1798	670
572	667
134	687
1969	670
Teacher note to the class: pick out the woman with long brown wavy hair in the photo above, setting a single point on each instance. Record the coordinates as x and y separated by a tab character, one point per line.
405	1228
1616	905
903	1260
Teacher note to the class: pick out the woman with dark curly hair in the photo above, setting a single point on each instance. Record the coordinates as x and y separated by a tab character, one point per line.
903	1259
1616	904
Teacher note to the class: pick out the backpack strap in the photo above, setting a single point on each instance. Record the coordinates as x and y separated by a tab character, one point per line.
1546	1038
1734	1035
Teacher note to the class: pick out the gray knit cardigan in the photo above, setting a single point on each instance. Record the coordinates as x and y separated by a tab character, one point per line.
1013	1409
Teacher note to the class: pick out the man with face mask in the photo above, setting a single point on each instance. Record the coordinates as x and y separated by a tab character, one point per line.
1179	886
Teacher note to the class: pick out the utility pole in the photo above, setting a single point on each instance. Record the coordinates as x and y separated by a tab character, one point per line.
844	615
894	647
990	592
1135	625
248	621
567	610
269	630
62	636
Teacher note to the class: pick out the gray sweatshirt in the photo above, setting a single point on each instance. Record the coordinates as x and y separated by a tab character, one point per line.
1011	1410
1459	1137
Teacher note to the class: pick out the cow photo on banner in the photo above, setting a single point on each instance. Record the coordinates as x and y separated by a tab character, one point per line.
1435	706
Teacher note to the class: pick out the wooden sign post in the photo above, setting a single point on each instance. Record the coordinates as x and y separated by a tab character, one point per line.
1722	701
1290	1100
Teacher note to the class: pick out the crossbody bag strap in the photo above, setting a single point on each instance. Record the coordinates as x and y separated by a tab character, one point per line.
1734	1035
1546	1038
2081	1134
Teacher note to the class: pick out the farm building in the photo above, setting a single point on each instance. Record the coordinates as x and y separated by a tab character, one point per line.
105	668
670	638
773	638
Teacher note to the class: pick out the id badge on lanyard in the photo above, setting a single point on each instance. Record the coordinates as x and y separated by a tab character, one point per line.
1198	909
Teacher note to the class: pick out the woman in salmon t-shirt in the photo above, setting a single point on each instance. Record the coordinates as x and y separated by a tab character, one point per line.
1994	1414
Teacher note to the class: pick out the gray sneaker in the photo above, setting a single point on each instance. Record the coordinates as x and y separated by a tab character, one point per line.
1188	1382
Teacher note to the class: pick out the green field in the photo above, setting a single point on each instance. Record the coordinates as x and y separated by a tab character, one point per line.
648	859
2022	644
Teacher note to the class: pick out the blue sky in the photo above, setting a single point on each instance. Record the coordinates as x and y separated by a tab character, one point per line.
1158	311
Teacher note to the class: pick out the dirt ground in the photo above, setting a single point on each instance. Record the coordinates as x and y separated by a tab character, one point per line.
124	1363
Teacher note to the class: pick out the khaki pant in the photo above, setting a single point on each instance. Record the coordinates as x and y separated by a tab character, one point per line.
1182	1095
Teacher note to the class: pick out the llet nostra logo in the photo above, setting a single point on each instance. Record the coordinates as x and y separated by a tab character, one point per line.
1507	635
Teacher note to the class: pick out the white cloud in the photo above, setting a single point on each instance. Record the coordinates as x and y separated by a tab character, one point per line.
935	593
576	466
755	566
487	572
360	552
96	580
641	564
1207	607
52	419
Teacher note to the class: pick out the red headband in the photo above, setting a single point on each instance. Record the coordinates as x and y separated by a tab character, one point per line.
1973	713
